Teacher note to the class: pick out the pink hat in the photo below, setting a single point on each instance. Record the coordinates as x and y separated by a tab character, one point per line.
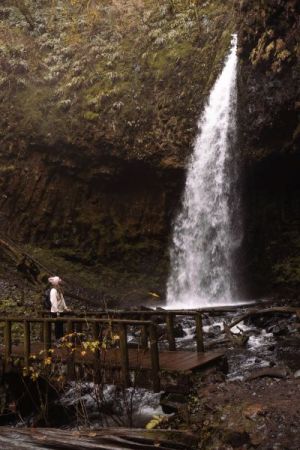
55	281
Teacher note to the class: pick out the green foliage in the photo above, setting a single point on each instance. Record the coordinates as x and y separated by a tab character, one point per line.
94	67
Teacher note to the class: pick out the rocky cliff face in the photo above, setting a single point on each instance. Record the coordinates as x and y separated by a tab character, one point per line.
269	139
99	104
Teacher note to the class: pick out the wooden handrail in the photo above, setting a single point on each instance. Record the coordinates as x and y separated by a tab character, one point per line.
169	316
75	320
154	312
95	322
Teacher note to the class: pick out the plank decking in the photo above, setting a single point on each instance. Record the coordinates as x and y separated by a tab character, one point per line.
173	361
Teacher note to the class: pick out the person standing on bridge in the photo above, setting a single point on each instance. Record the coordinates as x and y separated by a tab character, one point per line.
58	304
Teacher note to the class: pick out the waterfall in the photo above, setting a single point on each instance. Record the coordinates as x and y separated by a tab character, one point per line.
205	230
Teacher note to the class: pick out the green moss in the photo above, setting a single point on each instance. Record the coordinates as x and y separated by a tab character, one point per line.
90	115
33	102
163	60
287	272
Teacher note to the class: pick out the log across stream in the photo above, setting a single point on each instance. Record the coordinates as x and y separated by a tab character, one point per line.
105	439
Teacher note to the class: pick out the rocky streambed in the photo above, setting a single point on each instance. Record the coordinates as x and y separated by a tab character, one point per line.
252	404
256	404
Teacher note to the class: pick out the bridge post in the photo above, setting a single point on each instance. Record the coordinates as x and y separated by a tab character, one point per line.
199	333
26	343
46	335
124	355
96	331
154	358
170	331
71	356
7	342
144	337
97	361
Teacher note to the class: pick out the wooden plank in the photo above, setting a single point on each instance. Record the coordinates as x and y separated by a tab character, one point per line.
179	361
46	336
20	319
199	333
170	331
144	334
96	331
71	355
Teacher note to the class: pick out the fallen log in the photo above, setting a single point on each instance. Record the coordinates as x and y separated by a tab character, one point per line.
9	248
104	439
257	311
272	372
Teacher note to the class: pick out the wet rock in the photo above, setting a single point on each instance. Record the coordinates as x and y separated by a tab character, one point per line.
161	330
214	331
172	402
158	319
261	321
178	331
279	329
236	439
207	319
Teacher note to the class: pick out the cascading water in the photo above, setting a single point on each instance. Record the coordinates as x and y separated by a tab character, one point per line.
205	234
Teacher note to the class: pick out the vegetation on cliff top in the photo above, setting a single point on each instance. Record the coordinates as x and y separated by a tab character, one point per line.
121	76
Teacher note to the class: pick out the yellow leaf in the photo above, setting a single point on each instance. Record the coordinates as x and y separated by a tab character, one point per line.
152	424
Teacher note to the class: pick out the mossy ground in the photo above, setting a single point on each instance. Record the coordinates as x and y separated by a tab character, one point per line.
111	285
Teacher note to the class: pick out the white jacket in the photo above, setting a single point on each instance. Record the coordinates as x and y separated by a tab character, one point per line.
57	301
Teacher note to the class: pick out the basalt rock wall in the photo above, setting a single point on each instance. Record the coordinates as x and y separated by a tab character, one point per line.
99	108
269	129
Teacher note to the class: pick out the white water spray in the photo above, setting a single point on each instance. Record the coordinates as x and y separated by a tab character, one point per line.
204	236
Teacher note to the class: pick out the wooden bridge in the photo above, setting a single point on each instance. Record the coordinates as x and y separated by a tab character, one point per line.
101	340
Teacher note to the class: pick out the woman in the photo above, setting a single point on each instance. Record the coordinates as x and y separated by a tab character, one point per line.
58	305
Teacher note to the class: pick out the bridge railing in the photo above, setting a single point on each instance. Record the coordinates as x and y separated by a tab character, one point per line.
168	316
93	324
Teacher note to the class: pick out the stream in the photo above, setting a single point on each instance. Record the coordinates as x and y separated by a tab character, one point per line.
272	342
